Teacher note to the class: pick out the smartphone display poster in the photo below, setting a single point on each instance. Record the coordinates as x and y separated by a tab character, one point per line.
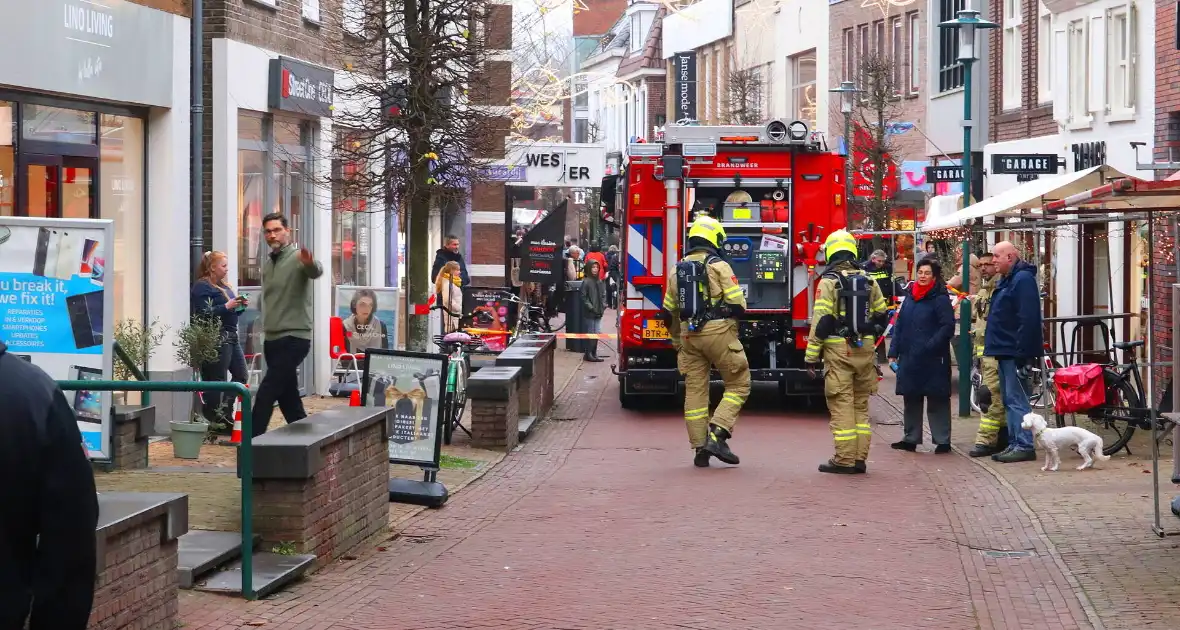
56	309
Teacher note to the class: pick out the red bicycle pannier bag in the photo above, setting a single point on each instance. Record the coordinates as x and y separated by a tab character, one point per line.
1080	388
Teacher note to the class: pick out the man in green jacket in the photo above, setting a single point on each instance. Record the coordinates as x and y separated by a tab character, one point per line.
286	321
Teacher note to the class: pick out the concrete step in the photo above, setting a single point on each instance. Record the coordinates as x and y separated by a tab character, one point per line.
525	427
272	572
201	551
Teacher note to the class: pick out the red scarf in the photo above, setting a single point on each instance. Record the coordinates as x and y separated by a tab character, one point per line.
919	291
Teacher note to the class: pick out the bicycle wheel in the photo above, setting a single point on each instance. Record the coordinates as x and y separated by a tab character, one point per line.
459	397
1113	421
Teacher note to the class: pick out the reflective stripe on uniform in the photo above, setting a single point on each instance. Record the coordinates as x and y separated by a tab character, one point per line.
693	414
734	291
733	398
843	435
821	307
864	429
669	301
989	423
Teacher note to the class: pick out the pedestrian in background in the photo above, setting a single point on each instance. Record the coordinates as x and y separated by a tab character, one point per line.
1014	338
880	271
597	255
448	286
48	505
450	253
211	296
573	265
992	436
921	349
613	275
286	321
593	306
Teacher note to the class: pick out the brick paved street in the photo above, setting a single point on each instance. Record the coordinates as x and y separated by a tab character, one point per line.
600	521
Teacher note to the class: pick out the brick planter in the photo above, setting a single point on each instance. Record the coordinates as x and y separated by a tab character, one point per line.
321	483
129	438
493	393
137	585
534	355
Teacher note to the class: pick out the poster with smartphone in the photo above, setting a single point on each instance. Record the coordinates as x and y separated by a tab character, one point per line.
56	312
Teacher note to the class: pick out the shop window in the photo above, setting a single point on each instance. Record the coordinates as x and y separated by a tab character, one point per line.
7	162
58	124
121	195
350	225
803	87
251	196
1013	69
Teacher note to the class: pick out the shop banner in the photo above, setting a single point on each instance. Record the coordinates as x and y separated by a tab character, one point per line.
410	383
56	312
370	317
540	250
490	310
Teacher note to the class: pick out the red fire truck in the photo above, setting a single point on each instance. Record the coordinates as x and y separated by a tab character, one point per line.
778	191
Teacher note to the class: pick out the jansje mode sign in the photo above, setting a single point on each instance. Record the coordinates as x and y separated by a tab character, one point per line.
300	87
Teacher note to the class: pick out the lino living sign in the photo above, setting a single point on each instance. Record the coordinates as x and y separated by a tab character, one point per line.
110	49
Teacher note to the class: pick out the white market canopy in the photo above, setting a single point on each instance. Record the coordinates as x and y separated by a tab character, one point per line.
1028	196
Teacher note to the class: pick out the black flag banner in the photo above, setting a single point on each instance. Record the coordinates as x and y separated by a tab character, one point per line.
540	251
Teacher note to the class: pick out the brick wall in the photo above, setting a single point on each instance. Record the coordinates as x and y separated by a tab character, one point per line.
657	99
129	450
345	503
495	424
1167	135
910	107
137	585
1031	119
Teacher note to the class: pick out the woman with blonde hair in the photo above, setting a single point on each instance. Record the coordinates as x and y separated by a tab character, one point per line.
448	287
211	296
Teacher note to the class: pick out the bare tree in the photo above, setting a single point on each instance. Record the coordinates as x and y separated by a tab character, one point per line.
411	132
745	97
875	114
541	60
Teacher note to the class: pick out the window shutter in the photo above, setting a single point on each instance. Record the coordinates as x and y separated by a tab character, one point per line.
311	10
1132	54
1061	96
1097	64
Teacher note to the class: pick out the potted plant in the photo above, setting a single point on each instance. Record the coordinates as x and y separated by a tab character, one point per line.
139	343
197	342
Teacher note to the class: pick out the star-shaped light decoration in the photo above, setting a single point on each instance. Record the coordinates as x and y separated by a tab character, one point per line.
886	6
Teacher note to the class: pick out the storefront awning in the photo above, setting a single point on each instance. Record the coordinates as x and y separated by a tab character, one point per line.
1030	195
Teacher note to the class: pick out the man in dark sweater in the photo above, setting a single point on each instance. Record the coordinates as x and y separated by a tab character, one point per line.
449	253
286	321
48	505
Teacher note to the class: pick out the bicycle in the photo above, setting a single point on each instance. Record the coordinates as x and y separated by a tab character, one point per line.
530	318
1123	411
457	346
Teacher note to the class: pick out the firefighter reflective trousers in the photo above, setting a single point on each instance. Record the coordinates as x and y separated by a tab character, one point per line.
848	383
698	354
990	423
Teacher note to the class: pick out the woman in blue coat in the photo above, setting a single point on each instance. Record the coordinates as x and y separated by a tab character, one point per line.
921	352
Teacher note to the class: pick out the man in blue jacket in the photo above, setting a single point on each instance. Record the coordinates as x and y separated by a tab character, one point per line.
1015	339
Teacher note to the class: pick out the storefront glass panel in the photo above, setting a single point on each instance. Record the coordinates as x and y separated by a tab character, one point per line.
7	161
251	197
58	124
121	199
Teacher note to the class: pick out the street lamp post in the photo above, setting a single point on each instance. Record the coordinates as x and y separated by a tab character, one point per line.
966	23
847	92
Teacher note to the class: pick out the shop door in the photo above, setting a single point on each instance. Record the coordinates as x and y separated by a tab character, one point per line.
57	187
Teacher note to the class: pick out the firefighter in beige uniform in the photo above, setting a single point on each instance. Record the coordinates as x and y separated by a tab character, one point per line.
988	440
702	298
848	315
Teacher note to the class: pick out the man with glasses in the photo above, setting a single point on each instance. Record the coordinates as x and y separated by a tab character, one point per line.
286	322
988	440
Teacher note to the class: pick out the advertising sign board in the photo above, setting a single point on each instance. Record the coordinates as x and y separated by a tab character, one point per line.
370	317
556	164
540	250
410	383
56	310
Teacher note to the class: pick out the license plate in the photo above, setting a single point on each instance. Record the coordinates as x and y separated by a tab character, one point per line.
655	329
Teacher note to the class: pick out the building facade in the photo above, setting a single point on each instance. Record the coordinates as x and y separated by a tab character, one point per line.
94	123
592	21
801	52
1167	152
1075	80
705	30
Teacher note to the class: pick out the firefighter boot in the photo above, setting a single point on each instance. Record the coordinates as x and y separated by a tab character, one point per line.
832	467
716	445
701	460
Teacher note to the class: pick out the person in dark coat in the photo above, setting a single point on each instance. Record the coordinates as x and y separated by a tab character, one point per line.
48	505
450	252
1014	337
593	306
921	352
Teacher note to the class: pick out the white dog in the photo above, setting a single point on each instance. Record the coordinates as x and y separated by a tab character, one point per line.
1089	445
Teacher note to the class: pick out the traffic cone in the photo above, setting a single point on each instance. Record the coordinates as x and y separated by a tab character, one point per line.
235	437
354	399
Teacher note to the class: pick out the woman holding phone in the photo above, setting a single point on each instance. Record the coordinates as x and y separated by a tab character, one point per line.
211	296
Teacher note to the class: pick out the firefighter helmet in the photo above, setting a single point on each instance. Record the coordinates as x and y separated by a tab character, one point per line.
839	241
709	229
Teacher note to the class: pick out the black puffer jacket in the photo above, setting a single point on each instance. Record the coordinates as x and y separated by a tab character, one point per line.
48	492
